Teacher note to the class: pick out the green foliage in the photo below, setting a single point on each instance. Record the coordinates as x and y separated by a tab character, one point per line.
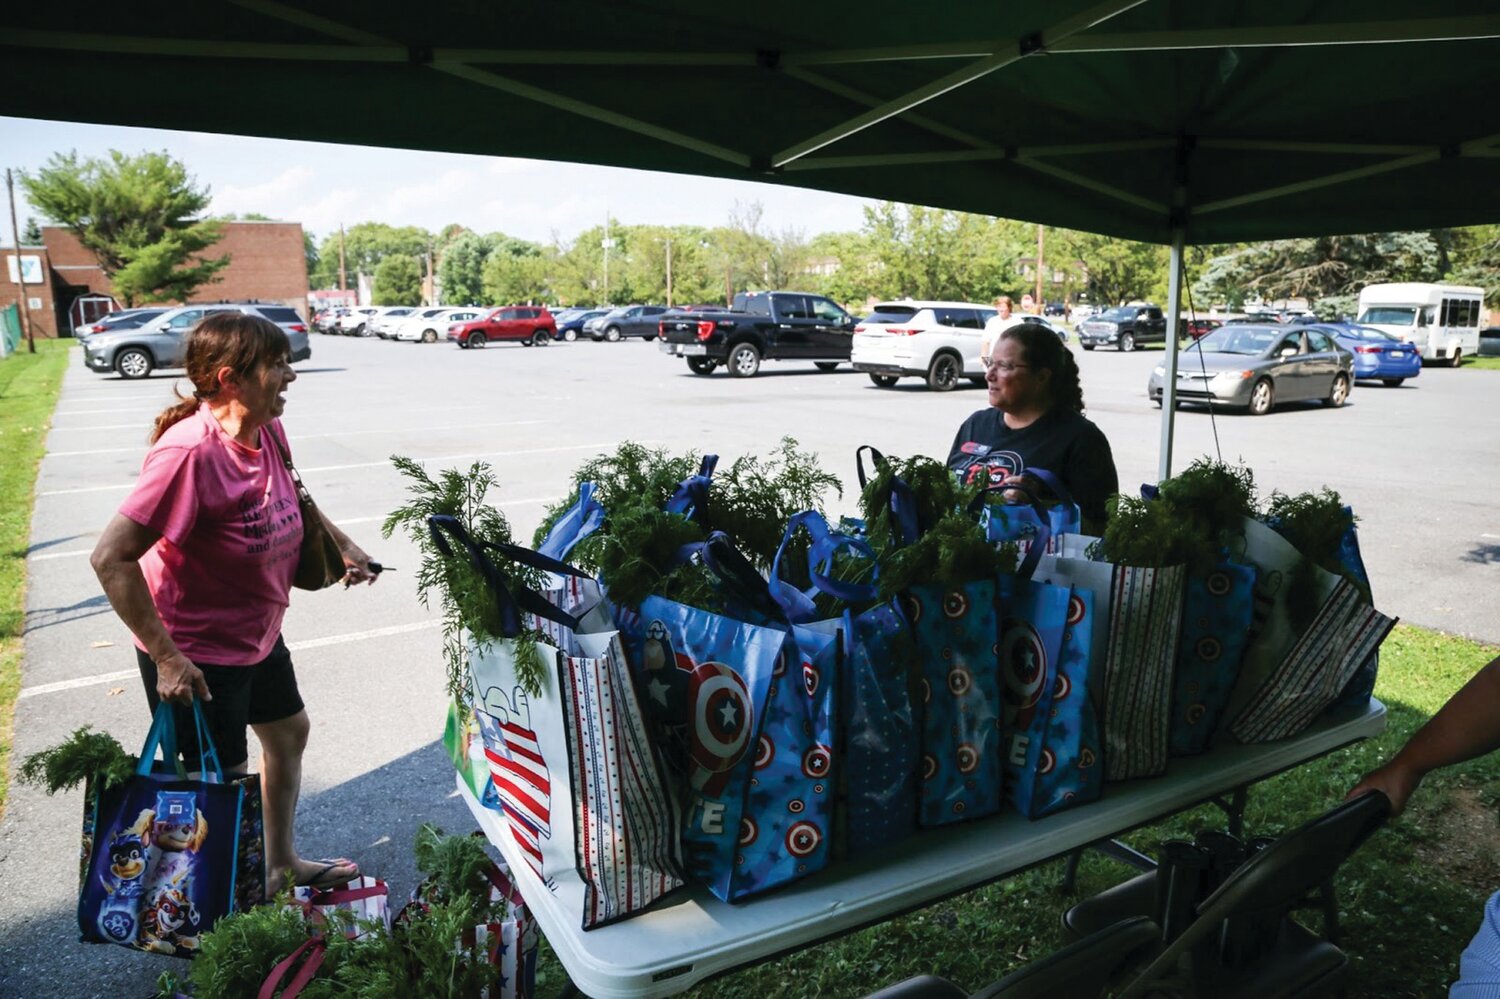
632	475
365	246
85	754
1118	270
1197	513
31	233
468	604
519	276
754	498
1329	271
138	215
455	867
235	957
934	489
398	281
1314	523
461	268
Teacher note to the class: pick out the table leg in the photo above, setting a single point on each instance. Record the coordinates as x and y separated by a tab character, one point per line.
1070	871
1234	810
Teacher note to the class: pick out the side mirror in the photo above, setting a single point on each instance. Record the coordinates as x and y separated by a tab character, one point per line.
1288	351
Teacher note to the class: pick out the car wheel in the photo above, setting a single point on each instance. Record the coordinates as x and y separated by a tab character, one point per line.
1392	382
539	338
477	340
1457	360
744	361
360	330
429	336
612	334
1339	393
943	373
134	363
1262	398
826	365
570	335
1127	342
884	381
702	365
1086	346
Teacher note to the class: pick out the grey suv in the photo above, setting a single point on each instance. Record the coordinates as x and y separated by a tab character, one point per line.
162	342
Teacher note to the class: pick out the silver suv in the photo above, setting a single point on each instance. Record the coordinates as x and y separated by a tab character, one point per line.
162	342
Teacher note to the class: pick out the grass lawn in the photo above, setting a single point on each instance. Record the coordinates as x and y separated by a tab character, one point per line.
1409	900
1482	363
29	385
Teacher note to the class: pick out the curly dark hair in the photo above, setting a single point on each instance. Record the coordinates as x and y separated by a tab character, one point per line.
1043	350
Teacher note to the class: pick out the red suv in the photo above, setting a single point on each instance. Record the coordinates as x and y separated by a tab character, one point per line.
532	325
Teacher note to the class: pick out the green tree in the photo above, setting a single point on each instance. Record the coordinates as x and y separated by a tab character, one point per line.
517	272
32	234
398	281
1474	258
138	215
461	268
365	246
1119	270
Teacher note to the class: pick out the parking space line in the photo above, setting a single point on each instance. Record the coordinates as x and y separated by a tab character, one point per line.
311	643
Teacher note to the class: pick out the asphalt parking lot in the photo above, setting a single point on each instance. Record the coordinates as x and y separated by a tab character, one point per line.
1420	464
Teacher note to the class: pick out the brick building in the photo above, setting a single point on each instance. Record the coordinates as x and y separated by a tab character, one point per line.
267	263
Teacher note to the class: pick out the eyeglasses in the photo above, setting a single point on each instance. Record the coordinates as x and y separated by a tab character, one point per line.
1004	367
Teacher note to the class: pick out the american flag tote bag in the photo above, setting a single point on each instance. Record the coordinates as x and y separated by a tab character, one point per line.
578	783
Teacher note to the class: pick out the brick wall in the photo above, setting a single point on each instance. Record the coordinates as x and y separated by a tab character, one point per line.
43	321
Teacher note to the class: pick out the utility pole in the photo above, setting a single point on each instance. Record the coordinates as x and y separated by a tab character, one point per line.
15	235
1041	303
728	290
669	273
343	277
606	244
431	285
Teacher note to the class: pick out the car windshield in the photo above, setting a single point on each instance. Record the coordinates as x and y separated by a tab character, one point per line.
1389	315
136	316
891	314
1235	340
1116	315
1366	333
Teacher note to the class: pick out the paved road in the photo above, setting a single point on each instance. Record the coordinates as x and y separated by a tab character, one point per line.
1420	464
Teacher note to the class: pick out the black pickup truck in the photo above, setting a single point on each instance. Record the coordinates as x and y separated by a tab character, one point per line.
764	326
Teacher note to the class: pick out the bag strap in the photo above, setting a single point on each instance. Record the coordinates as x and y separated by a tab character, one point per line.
582	519
1038	545
736	574
876	460
510	602
826	543
208	753
286	459
310	953
161	735
334	896
690	499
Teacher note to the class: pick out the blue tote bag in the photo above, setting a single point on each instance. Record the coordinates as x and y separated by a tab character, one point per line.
1048	721
1216	619
166	856
876	733
1025	521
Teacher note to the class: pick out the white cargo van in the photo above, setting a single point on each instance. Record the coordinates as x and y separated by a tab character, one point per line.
1440	320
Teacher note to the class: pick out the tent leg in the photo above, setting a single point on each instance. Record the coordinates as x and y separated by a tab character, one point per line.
1169	379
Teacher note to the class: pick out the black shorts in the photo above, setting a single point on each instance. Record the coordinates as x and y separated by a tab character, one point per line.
243	695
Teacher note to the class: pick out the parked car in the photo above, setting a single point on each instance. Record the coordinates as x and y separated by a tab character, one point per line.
1257	367
353	322
570	326
384	322
431	324
1489	342
327	321
162	342
1123	327
1055	309
1048	324
1196	328
764	325
1376	353
937	341
531	325
124	319
629	320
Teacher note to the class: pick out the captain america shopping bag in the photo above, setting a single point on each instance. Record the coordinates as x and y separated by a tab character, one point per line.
1216	621
165	859
743	706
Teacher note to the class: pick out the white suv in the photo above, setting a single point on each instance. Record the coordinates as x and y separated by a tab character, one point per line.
938	341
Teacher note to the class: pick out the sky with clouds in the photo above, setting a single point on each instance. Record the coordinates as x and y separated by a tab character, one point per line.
323	185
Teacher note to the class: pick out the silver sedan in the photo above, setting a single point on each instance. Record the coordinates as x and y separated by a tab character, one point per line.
1257	367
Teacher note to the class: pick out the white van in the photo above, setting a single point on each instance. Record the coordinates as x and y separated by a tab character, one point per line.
1440	320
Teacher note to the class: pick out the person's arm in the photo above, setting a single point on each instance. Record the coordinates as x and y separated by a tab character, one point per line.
1468	726
1092	477
116	561
355	560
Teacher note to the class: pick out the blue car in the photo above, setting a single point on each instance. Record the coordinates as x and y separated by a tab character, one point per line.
1376	354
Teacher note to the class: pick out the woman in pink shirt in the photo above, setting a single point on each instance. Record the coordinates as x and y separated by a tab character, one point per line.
198	563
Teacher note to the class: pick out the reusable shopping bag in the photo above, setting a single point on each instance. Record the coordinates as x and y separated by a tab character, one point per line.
1022	521
876	737
1137	628
1216	618
1287	678
610	847
166	857
1050	726
465	748
365	897
509	940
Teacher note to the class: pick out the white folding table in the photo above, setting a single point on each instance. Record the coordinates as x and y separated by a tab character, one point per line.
690	935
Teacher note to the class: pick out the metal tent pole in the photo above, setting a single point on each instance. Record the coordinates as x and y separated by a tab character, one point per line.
1169	379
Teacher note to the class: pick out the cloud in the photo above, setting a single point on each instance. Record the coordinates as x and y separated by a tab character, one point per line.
278	190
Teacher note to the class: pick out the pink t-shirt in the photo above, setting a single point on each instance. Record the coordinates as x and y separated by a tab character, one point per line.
230	532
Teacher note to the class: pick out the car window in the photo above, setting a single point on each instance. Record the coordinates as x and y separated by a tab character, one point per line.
183	320
792	307
280	314
1291	340
654	310
984	316
505	315
1317	341
891	314
825	310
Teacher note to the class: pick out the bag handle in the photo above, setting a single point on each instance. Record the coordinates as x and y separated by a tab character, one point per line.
582	519
735	573
1038	546
510	603
163	735
690	499
826	543
876	460
310	953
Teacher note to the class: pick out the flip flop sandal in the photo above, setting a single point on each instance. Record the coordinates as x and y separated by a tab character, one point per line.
324	878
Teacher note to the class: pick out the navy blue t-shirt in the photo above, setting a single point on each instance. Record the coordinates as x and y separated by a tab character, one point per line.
1068	445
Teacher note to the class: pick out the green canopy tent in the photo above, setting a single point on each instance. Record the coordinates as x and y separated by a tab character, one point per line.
1159	120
